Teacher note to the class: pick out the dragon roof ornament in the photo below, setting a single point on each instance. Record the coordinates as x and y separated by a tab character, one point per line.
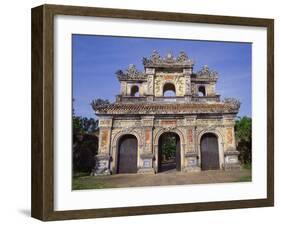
155	60
206	72
131	73
233	102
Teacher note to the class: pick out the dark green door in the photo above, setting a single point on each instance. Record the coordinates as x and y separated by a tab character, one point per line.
127	154
209	152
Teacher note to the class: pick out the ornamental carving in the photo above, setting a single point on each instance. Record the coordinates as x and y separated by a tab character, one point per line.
156	60
147	136
229	135
187	84
168	122
124	123
190	136
158	84
232	102
206	72
105	123
150	84
178	81
104	138
131	73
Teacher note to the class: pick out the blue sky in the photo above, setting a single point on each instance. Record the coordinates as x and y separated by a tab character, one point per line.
97	58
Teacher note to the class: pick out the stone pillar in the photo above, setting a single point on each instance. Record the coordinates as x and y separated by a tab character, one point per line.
103	157
191	155
150	83
211	89
141	89
187	76
231	161
146	156
192	162
123	88
230	153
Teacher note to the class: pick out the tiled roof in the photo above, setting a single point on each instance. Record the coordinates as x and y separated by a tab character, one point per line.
166	108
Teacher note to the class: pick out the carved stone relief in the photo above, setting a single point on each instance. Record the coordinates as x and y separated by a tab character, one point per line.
229	135
177	80
104	138
190	136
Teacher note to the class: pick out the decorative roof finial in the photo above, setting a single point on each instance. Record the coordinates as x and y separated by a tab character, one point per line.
155	60
169	55
182	57
205	71
131	73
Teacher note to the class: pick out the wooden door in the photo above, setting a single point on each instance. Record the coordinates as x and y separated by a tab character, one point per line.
209	152
127	155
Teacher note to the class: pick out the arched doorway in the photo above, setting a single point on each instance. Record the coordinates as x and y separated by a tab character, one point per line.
169	152
209	152
169	90
201	91
127	154
135	91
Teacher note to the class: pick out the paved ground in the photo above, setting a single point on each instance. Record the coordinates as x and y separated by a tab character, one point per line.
171	177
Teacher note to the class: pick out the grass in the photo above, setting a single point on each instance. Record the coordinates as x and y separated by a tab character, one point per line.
80	174
82	181
247	166
245	179
88	182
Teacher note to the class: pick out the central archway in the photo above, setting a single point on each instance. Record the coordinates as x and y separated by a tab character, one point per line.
169	90
169	153
127	154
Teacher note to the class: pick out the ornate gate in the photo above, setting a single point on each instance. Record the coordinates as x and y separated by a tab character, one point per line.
209	152
127	154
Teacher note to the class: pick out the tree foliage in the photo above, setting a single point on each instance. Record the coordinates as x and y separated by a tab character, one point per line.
243	133
168	146
85	142
84	125
84	151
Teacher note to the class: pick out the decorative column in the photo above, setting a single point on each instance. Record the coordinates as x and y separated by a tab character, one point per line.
123	88
187	75
191	155
231	161
146	156
102	166
150	83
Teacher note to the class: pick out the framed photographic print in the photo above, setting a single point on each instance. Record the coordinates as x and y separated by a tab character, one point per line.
141	112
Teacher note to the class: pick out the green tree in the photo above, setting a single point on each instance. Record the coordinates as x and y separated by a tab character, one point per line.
84	151
168	146
85	142
243	133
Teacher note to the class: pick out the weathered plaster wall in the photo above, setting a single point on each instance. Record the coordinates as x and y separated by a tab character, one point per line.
148	130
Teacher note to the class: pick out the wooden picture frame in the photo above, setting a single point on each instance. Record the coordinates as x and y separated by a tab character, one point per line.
43	112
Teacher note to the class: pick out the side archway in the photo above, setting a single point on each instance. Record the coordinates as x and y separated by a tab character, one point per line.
116	141
213	141
127	154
